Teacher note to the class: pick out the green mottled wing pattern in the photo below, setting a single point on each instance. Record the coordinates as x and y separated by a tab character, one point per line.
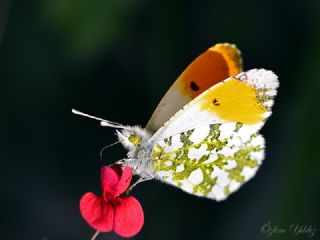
210	161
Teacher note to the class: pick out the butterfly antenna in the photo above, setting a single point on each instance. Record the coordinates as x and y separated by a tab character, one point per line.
104	148
103	122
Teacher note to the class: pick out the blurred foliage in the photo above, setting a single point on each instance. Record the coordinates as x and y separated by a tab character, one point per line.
89	27
4	9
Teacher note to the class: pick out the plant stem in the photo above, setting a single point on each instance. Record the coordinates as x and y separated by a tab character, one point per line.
95	235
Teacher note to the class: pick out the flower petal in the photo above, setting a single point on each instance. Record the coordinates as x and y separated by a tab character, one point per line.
97	213
124	181
128	218
117	168
109	180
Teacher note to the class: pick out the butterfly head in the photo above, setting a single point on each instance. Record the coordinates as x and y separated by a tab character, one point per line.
135	139
132	137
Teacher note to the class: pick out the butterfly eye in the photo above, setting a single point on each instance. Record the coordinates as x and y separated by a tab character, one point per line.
194	86
135	139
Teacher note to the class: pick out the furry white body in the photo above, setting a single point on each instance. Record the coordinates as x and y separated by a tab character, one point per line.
139	157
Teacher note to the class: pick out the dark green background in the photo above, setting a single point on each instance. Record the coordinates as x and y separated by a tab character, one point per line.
116	59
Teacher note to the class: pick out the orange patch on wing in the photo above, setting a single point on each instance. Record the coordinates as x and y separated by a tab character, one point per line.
233	101
232	56
213	66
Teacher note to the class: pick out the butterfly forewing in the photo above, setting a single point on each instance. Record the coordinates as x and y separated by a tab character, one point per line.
210	161
213	66
246	98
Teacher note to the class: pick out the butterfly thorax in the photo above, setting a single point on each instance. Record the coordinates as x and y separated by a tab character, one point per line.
137	141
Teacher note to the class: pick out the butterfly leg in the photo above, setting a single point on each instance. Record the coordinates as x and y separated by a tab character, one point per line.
121	161
140	180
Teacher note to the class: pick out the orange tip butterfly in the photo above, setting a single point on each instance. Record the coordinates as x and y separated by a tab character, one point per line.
204	135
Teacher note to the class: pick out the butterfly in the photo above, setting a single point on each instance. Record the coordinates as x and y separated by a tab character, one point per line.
204	135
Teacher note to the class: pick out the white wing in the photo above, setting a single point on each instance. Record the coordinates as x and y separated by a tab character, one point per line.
211	161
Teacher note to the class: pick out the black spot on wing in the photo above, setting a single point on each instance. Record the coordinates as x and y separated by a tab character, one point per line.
194	86
215	102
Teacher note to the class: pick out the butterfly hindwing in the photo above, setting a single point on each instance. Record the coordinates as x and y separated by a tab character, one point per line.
210	161
213	66
246	98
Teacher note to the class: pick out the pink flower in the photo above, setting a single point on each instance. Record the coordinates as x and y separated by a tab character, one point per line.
110	212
